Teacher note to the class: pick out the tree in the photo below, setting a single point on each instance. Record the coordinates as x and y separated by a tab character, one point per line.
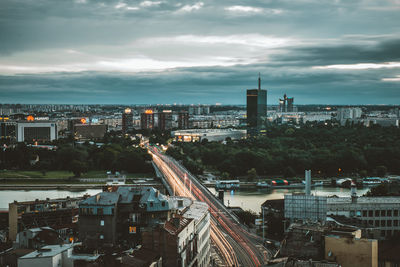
289	172
381	171
77	168
251	174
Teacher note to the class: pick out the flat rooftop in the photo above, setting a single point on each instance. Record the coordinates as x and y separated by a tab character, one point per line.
48	251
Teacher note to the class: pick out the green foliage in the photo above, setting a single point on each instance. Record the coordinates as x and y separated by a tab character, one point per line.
252	174
77	168
289	151
118	156
381	171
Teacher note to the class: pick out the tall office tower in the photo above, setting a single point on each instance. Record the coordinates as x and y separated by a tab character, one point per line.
127	120
147	119
286	104
165	120
256	108
183	120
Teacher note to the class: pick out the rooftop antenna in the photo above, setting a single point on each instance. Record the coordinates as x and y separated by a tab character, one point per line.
259	81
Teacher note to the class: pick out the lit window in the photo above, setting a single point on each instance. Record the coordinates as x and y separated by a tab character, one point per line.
102	223
101	236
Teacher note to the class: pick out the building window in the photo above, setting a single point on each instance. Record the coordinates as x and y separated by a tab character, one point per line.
101	236
112	211
383	223
377	213
370	213
100	211
395	213
163	203
102	223
364	213
376	223
382	232
371	222
151	204
395	223
90	211
389	213
383	213
389	223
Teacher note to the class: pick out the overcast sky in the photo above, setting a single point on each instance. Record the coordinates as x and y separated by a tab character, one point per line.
139	52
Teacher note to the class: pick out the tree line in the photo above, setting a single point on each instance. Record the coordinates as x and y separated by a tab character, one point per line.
118	154
286	150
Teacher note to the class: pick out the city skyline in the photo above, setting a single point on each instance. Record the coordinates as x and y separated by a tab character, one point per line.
148	52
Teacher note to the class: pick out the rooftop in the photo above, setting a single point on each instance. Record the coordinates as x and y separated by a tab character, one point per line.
48	251
364	200
196	211
103	198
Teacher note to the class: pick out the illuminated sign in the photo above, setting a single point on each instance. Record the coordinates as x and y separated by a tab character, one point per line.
4	118
128	110
148	111
41	118
30	118
83	121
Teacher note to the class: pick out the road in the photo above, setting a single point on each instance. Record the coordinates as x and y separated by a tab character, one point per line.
235	244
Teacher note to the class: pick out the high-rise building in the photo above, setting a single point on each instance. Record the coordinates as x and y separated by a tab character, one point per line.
256	108
165	120
127	120
183	120
286	104
147	119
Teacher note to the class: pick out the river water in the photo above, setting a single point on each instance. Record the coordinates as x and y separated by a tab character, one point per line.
246	199
8	196
252	199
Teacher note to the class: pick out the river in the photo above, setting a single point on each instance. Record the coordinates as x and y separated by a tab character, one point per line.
252	199
246	199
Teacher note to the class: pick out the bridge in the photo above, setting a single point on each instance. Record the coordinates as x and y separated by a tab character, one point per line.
236	246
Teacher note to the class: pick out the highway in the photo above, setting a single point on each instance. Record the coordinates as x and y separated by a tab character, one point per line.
235	245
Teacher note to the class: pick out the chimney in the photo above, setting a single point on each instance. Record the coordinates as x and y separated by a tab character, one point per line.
308	182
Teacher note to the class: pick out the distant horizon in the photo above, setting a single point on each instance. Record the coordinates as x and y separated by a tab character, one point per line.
207	51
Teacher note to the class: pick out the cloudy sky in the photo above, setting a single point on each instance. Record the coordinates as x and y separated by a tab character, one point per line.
139	52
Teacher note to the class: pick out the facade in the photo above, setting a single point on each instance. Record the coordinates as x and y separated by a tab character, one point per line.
49	256
30	131
147	119
183	120
286	104
197	135
111	218
55	213
89	131
165	120
381	212
127	120
344	114
36	238
8	130
351	252
305	207
256	108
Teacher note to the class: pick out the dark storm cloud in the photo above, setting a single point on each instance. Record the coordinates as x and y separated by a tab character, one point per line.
126	51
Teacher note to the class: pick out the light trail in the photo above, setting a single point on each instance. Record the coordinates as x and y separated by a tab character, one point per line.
242	246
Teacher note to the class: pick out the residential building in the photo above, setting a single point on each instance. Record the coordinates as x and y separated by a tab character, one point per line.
165	120
183	120
147	119
55	213
127	120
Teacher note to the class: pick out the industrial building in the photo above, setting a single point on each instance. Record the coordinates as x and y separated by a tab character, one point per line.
89	131
197	135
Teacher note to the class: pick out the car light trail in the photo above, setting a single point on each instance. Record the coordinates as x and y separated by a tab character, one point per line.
224	226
